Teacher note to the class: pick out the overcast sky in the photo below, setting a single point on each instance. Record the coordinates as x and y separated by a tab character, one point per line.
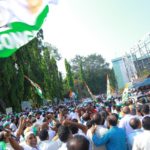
106	27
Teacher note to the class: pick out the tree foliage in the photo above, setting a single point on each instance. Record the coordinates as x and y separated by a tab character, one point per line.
69	76
92	69
40	66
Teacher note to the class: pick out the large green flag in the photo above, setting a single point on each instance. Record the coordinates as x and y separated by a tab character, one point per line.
20	20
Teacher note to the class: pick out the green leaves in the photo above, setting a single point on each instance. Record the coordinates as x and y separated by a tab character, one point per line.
40	67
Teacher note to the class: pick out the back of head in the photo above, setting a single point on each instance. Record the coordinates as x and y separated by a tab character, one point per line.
73	128
89	124
64	133
97	119
112	120
78	142
146	123
135	123
126	110
86	117
145	109
43	135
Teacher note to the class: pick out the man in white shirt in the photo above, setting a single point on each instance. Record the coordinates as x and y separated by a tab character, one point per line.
39	120
13	127
47	144
135	123
64	134
124	122
100	131
142	141
30	142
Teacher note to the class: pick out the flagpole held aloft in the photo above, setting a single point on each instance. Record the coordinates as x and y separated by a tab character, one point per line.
36	86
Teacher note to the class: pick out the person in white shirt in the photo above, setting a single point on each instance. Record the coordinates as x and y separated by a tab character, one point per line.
13	126
142	141
64	134
39	119
100	131
135	123
46	143
124	122
30	142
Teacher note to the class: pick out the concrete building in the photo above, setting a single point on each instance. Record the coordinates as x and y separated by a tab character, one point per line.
128	67
124	70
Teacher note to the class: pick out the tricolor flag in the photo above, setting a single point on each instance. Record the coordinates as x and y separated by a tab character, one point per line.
108	89
20	20
36	86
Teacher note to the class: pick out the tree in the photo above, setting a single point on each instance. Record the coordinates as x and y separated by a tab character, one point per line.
69	76
93	70
39	65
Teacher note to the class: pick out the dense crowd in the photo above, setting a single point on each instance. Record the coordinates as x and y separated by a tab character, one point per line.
92	126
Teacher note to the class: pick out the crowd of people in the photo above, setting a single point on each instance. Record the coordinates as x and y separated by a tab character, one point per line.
94	126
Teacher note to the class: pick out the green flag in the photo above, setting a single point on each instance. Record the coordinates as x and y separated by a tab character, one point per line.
36	86
20	20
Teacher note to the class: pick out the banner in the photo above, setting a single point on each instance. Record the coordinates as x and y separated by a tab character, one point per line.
20	20
125	94
108	89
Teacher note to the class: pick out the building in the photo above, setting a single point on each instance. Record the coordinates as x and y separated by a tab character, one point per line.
124	70
131	66
140	54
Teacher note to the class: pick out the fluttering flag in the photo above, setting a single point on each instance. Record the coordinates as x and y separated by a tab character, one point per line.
36	86
125	94
108	89
20	21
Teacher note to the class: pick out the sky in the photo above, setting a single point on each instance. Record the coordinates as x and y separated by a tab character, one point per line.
106	27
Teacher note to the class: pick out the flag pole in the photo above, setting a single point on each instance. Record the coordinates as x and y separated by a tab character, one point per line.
93	97
36	86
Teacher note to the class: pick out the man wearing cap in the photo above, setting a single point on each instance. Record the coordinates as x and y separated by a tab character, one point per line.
30	142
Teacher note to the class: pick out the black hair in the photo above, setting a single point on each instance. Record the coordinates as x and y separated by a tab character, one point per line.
103	116
89	123
97	119
58	125
86	117
134	123
64	133
73	128
43	135
145	109
117	116
118	108
112	119
146	123
78	142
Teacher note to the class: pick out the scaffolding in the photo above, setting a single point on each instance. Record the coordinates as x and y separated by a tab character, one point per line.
141	54
138	58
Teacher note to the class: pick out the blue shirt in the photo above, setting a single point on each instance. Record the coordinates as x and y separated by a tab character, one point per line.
114	139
